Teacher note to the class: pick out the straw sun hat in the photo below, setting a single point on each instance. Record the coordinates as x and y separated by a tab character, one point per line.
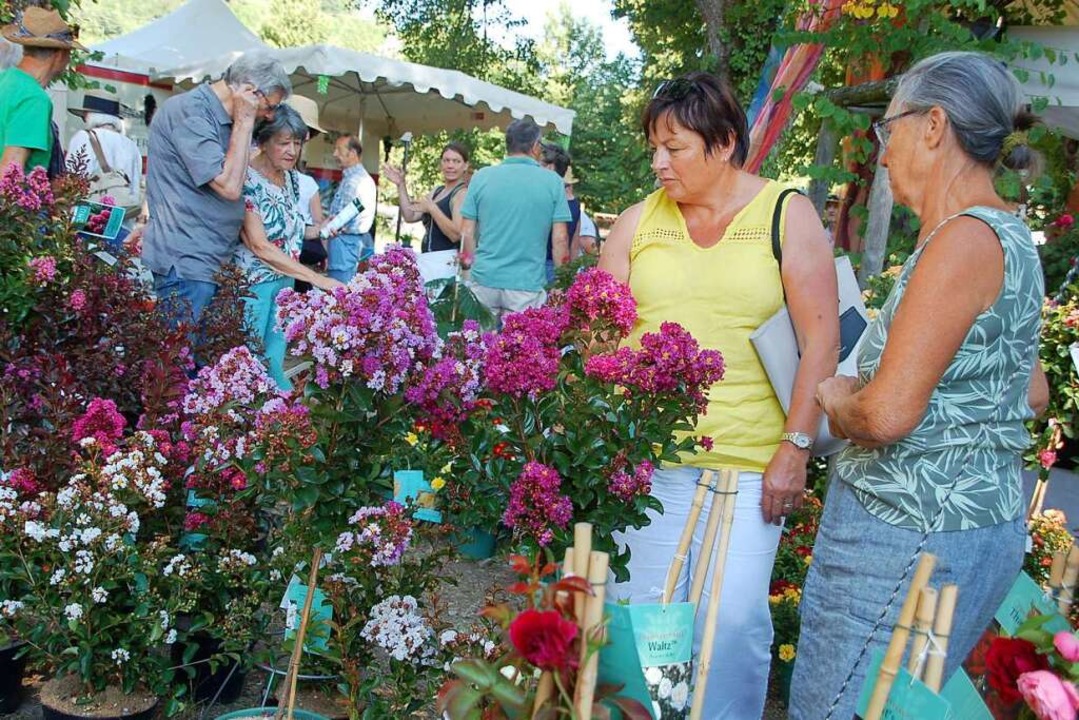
37	27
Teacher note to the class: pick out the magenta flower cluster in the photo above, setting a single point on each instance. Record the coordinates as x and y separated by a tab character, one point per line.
103	423
378	329
668	361
536	504
523	358
28	191
43	269
381	536
626	486
447	390
596	301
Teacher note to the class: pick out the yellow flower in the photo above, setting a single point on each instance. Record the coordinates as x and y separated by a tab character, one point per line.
775	599
438	483
887	11
786	652
807	559
412	438
446	468
657	449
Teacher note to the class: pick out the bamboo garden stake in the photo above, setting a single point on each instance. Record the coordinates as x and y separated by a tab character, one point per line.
923	623
582	553
586	680
301	631
890	665
715	515
942	629
679	561
726	493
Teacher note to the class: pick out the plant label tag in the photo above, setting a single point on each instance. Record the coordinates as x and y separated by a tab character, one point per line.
289	590
410	489
1073	350
909	698
316	638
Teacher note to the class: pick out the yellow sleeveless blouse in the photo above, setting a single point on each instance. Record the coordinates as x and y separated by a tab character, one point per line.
720	295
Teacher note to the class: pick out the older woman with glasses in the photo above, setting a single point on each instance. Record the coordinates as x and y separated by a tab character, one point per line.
698	252
948	375
273	231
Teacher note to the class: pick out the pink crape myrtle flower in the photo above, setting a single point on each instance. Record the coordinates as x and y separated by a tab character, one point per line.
1050	697
30	192
523	359
536	504
43	268
102	422
596	299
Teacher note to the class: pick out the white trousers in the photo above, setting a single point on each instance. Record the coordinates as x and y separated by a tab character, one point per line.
738	679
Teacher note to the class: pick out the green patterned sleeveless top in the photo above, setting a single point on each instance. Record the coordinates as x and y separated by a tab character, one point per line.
960	467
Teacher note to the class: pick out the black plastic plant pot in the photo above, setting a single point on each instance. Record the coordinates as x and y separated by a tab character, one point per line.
11	673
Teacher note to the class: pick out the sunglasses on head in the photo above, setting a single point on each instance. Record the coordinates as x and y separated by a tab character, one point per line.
675	89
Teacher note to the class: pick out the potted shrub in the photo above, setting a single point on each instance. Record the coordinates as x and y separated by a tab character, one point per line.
94	609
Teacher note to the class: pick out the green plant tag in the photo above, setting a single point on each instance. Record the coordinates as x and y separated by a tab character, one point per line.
409	488
323	84
909	698
316	638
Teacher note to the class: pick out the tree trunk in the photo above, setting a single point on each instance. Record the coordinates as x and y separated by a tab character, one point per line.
827	143
713	12
874	92
876	232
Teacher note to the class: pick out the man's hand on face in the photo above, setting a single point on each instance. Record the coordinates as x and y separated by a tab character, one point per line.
245	103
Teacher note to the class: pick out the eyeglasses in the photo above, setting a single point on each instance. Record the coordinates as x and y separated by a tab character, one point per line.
675	89
269	106
880	127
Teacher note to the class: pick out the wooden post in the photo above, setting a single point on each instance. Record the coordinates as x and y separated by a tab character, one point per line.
679	560
728	487
1071	575
942	630
297	650
923	623
890	665
586	681
875	239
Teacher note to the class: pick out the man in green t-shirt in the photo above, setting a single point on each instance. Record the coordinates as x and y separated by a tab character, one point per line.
26	130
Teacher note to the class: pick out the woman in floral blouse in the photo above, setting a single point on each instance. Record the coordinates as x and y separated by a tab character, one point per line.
274	230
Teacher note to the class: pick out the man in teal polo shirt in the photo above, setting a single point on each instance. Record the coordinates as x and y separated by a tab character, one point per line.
509	211
26	132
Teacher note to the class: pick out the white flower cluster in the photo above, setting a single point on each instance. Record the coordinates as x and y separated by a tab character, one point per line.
397	627
178	565
235	560
73	611
99	594
8	608
138	469
38	532
120	656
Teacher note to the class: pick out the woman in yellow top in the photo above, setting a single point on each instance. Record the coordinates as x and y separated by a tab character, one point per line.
698	252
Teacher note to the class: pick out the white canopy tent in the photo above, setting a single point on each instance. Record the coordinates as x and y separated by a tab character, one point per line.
389	97
193	32
1054	76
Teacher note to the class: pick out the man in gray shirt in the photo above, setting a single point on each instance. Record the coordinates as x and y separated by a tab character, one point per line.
199	148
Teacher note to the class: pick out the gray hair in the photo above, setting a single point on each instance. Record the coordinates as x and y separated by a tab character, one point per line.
285	119
10	54
96	120
261	70
981	98
521	136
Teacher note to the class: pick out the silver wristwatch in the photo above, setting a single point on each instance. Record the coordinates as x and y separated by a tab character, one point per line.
800	440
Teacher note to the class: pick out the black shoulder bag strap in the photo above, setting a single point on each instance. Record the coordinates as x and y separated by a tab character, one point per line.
777	218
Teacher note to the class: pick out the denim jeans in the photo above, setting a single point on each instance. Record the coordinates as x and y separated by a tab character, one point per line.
857	561
345	252
181	300
738	679
261	315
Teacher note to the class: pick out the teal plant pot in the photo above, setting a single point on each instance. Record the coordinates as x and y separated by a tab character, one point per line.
270	712
475	543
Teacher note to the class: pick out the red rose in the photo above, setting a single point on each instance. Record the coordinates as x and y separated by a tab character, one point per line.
544	638
1006	660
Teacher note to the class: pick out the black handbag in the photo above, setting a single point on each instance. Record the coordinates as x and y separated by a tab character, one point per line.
313	252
